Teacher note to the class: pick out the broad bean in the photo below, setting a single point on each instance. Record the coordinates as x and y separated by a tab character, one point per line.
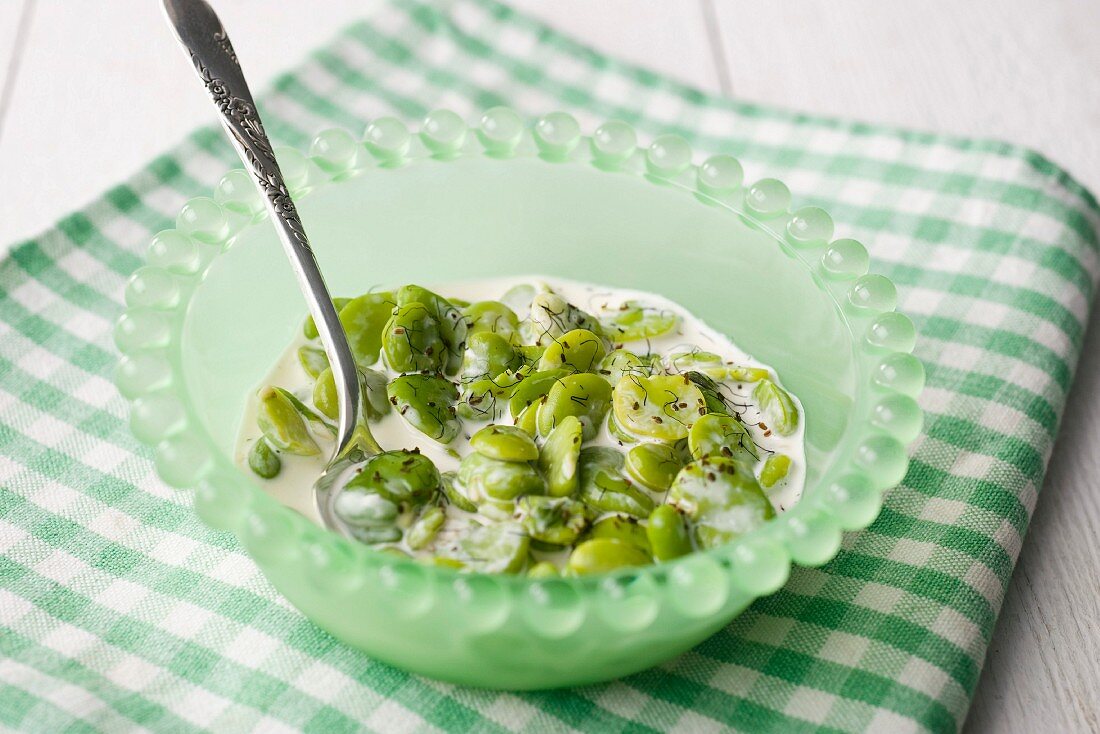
777	407
552	316
559	456
427	402
403	477
603	487
451	322
412	342
585	396
313	360
493	317
634	322
533	388
662	407
506	443
427	526
775	469
263	460
309	328
667	533
363	319
716	434
722	498
496	548
494	479
624	528
653	465
283	425
601	555
577	351
554	520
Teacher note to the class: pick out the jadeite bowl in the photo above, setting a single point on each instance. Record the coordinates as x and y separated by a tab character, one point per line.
217	303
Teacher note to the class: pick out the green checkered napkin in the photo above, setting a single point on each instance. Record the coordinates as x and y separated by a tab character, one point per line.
119	610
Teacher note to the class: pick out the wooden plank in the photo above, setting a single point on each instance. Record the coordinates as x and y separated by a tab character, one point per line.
123	93
13	16
665	37
1020	71
131	64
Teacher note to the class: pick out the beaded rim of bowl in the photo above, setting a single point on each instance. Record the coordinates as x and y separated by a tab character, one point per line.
148	334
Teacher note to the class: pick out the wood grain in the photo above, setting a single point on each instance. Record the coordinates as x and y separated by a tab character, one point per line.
667	37
1021	71
14	16
103	87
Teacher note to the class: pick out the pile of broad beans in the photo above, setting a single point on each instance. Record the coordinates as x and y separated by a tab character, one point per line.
580	450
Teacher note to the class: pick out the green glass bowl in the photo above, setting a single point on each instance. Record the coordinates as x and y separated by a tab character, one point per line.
217	303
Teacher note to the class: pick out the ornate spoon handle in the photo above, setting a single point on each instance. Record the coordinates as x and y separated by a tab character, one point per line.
204	39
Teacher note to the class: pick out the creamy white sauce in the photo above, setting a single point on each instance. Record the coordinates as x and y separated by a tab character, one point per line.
293	485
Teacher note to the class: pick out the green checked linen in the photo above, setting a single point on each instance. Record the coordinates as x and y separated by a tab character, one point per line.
119	610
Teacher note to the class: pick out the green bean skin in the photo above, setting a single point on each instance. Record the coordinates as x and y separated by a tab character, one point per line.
560	455
578	350
491	316
584	396
402	477
780	412
426	527
506	443
667	532
653	465
601	555
604	488
622	528
411	340
499	480
313	360
427	403
363	319
263	460
283	426
775	470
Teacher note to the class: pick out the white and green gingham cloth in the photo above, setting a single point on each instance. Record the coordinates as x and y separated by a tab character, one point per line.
119	610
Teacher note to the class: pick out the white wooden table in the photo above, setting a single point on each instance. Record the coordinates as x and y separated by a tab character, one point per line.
1028	72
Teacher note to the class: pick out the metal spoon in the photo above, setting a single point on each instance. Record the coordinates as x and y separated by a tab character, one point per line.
202	36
